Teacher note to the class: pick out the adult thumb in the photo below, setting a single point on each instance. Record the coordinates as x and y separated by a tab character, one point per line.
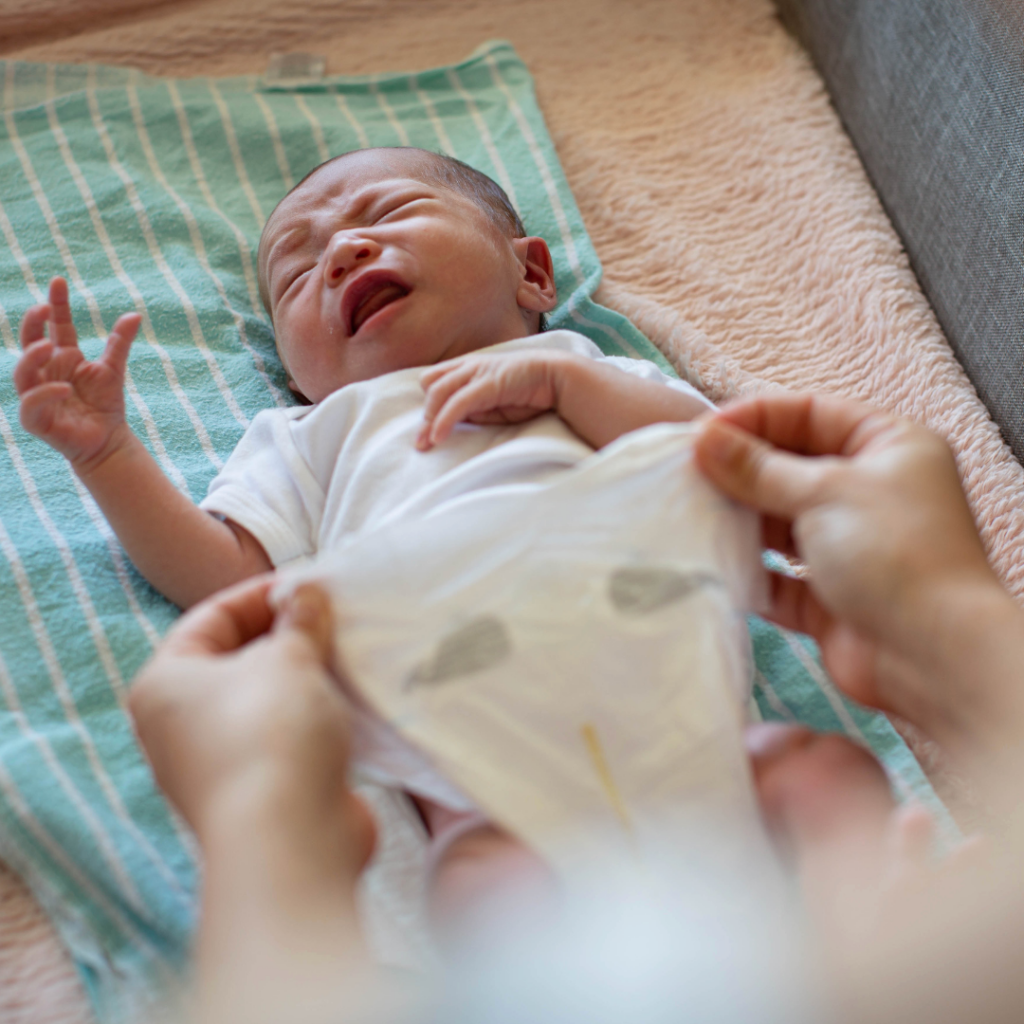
305	614
754	472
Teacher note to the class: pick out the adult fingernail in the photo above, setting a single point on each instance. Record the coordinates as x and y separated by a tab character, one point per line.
721	443
308	612
305	606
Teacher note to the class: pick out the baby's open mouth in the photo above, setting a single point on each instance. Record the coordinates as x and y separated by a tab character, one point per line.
368	295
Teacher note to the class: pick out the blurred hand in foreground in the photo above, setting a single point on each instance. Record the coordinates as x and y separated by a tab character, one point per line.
248	736
899	592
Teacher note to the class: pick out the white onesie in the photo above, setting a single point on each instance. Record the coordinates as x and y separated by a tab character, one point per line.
305	481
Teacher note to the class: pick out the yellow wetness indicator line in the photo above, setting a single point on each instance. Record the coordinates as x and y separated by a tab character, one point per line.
600	762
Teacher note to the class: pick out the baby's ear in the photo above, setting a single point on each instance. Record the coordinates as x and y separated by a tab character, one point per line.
537	292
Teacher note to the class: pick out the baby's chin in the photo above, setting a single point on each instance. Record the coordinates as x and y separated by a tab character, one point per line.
315	388
382	348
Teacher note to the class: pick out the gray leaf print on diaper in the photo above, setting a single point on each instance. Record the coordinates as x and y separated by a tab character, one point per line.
479	644
640	591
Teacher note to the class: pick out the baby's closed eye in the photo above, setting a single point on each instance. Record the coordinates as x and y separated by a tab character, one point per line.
402	206
292	277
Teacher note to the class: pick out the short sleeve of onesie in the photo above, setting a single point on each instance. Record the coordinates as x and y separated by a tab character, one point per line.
572	342
267	488
648	371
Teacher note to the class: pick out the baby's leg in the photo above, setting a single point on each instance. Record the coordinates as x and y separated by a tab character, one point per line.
478	870
819	791
871	887
828	804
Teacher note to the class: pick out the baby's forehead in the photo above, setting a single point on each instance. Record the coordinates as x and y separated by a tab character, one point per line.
331	183
346	178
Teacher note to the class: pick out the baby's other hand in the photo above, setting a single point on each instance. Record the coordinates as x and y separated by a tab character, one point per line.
490	388
76	406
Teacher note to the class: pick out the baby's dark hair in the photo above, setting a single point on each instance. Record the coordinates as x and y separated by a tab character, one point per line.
475	185
449	173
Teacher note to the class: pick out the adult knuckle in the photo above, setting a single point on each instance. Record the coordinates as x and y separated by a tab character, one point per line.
832	475
748	462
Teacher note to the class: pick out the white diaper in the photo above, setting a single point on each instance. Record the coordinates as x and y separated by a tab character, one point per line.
567	655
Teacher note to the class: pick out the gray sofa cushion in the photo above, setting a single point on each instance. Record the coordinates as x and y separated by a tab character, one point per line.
932	94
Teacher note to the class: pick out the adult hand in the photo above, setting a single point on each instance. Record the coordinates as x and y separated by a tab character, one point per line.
249	738
873	505
237	706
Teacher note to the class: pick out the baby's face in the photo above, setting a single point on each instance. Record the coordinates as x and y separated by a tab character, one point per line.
368	270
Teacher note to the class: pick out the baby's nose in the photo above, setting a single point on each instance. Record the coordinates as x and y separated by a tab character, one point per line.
346	253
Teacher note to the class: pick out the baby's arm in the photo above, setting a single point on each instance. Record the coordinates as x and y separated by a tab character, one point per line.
186	553
77	407
599	401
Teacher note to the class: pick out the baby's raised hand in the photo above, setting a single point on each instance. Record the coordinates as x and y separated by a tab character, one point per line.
496	388
76	406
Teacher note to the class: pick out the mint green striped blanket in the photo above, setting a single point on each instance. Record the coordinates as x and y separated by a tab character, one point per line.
149	194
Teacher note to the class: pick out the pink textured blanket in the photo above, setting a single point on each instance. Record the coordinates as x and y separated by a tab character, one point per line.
733	218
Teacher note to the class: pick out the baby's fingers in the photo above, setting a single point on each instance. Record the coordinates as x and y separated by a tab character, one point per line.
434	373
62	328
28	371
443	386
115	354
477	397
440	386
39	406
33	325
